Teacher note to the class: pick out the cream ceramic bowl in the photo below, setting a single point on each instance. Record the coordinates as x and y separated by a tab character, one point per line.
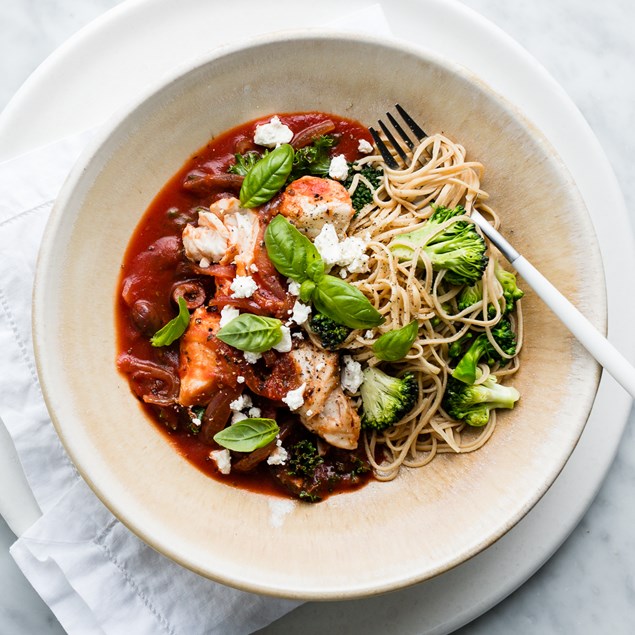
386	535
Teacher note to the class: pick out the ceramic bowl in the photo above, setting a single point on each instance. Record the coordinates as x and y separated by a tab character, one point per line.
386	535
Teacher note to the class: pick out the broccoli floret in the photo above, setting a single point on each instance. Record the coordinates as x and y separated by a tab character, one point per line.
481	347
472	404
386	399
507	280
304	459
459	248
472	294
331	333
363	195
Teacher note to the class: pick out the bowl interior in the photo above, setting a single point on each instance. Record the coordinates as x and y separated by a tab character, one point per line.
427	520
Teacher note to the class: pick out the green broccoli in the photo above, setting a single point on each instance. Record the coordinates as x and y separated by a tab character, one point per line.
459	248
331	333
386	399
471	295
481	347
472	404
507	280
363	195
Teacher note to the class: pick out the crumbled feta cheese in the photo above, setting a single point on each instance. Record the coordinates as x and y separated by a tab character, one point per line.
364	146
294	287
285	344
297	335
278	457
301	312
348	254
204	263
238	416
240	379
295	398
369	335
243	287
251	358
272	134
352	376
253	267
254	412
338	169
227	314
309	413
197	422
240	403
223	460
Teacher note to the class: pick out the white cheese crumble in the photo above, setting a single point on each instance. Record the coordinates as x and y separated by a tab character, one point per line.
227	314
254	413
295	398
223	460
297	335
309	413
364	146
348	254
251	358
240	403
253	267
272	134
279	456
338	169
301	312
369	335
243	287
240	379
294	287
352	376
238	416
285	344
197	422
204	263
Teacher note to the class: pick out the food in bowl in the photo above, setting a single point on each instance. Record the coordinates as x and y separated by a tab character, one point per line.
300	318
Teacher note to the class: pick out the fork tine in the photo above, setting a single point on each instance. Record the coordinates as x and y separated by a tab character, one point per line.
411	123
383	149
393	141
400	131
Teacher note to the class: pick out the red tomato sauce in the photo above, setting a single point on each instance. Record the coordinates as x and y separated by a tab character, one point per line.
154	263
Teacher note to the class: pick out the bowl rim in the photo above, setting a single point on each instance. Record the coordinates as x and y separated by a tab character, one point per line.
100	140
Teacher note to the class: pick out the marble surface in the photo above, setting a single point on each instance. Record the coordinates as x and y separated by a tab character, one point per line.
589	585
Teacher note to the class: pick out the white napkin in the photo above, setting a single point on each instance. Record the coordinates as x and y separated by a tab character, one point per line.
96	576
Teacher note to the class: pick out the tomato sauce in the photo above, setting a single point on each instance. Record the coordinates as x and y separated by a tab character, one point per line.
154	263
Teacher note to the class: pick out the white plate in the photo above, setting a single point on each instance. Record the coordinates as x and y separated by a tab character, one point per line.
111	59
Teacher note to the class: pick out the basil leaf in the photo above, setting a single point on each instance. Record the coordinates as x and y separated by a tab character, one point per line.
247	435
290	251
307	289
345	304
394	345
252	333
266	177
174	328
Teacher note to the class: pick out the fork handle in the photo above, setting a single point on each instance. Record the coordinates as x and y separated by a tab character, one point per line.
594	342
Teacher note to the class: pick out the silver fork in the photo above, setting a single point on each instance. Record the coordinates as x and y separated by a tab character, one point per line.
595	343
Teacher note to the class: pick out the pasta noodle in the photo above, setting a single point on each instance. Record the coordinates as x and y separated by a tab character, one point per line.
439	174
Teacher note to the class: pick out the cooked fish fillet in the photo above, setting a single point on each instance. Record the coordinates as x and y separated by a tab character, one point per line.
327	411
310	202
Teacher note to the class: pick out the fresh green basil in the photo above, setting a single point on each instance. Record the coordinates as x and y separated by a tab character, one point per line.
252	333
307	288
394	345
248	435
266	177
345	304
174	328
290	251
